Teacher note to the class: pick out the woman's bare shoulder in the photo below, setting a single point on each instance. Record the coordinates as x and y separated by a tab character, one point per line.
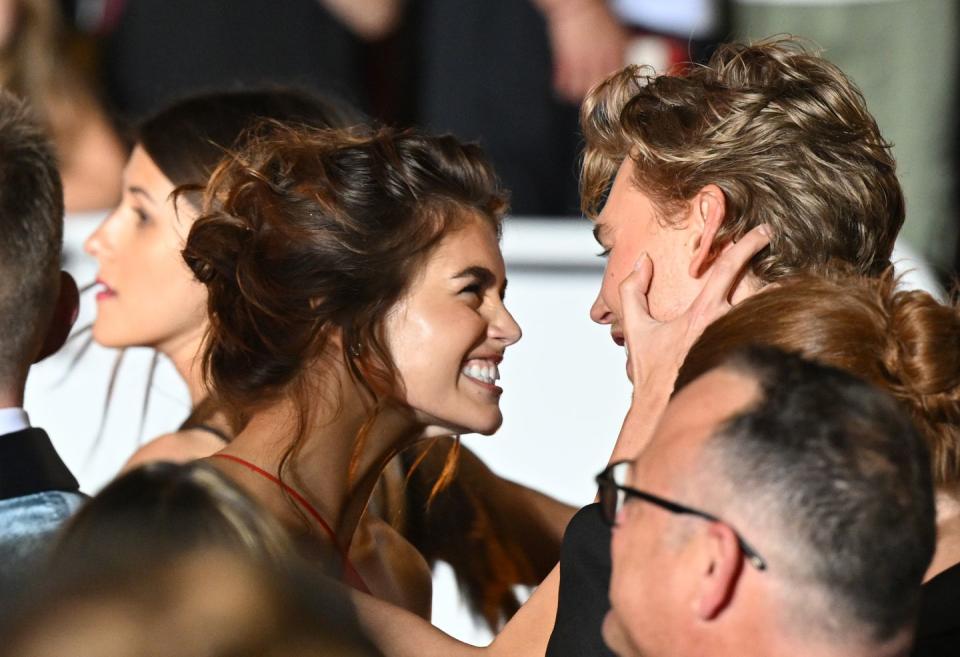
178	446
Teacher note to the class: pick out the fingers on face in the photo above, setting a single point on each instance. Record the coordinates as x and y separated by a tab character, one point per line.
635	287
730	266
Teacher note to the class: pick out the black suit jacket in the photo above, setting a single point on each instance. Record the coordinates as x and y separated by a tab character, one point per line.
29	464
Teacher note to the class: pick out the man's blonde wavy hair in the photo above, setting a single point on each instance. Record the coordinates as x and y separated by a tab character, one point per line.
782	131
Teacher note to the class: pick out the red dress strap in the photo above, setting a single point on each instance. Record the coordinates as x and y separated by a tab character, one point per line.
351	575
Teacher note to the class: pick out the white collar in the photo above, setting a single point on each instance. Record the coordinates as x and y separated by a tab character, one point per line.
13	419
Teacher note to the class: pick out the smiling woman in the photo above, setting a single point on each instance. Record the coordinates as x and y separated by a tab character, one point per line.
449	333
355	293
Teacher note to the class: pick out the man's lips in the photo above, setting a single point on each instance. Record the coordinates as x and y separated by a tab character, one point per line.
618	338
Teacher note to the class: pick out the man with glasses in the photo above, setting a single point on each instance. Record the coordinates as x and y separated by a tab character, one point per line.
781	508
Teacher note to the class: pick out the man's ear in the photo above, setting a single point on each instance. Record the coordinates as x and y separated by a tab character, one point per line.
708	209
64	315
722	564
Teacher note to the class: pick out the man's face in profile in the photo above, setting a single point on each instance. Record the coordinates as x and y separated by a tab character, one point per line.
653	584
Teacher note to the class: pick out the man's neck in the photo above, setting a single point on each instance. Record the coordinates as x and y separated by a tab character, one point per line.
11	396
770	640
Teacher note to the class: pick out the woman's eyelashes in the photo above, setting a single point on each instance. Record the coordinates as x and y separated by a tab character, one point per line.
474	289
604	253
142	216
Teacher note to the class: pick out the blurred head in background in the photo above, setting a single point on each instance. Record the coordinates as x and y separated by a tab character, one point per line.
200	602
39	64
163	508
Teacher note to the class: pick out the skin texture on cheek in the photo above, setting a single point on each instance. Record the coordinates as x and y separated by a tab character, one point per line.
155	300
452	316
630	225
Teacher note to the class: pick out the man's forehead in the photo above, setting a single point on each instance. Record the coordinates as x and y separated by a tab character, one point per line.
693	416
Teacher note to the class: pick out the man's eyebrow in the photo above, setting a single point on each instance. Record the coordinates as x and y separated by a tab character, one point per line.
140	191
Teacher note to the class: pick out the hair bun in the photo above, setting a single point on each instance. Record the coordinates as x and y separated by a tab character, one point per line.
924	339
923	356
230	238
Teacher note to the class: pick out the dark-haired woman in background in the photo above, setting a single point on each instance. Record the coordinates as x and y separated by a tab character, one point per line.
147	296
355	292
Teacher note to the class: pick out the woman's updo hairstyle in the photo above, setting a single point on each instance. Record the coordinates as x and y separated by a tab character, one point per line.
307	231
903	341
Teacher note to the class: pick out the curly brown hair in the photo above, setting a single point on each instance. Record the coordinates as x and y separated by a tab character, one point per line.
782	131
305	232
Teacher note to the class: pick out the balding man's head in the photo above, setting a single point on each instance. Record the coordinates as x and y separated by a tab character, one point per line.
819	480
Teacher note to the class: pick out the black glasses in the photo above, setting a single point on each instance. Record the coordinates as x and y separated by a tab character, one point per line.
613	495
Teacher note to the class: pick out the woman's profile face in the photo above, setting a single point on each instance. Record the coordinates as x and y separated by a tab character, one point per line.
146	295
448	334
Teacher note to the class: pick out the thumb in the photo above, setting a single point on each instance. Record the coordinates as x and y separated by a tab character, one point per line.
635	288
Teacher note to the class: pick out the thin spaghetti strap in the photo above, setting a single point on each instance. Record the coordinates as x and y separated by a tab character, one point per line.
351	571
208	429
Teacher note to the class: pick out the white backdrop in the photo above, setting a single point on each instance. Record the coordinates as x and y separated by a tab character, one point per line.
565	391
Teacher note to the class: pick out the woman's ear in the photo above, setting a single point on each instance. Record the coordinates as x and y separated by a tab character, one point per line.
64	315
707	213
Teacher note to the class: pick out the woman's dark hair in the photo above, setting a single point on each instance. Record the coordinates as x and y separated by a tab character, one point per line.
188	138
305	232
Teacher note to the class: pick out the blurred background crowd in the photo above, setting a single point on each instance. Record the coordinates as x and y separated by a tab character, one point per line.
508	73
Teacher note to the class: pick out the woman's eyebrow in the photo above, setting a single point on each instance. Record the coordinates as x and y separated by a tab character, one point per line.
483	275
140	191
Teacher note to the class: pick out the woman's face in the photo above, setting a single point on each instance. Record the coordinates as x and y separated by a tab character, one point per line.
448	334
147	296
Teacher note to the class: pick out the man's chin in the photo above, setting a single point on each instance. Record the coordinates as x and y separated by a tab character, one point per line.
615	636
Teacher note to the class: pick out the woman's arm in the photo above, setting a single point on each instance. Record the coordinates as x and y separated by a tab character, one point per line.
399	633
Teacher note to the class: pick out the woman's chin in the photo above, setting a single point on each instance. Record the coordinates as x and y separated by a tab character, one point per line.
483	427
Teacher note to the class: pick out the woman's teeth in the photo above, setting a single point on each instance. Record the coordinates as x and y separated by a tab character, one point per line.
482	370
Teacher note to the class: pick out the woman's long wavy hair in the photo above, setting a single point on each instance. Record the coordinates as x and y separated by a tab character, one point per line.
307	234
